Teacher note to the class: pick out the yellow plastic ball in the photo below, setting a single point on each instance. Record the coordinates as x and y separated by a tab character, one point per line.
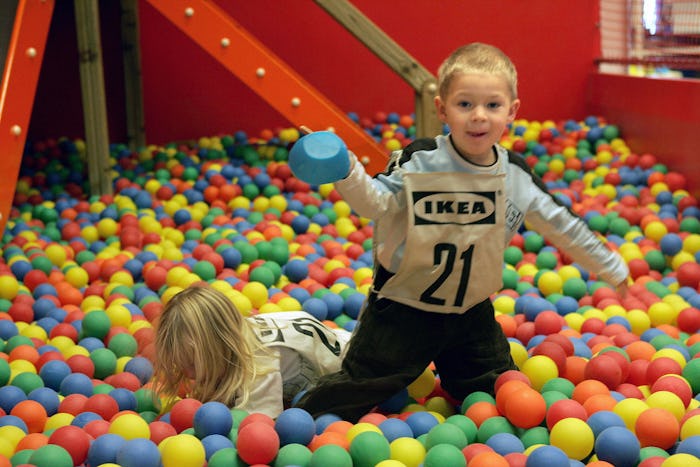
423	385
573	436
256	292
518	352
539	369
9	287
183	450
130	426
409	451
655	230
629	410
58	420
681	460
549	282
668	401
639	321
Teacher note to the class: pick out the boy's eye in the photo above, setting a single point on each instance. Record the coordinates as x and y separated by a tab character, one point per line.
464	104
494	105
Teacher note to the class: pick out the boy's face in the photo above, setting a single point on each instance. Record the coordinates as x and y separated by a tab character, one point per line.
477	108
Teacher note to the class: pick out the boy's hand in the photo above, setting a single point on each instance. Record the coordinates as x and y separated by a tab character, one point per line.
622	288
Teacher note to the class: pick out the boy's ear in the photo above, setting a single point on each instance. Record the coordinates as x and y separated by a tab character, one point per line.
514	106
440	109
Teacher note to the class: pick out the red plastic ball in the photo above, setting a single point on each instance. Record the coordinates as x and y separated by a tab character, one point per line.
161	430
73	403
257	443
689	320
604	369
102	404
565	408
182	413
74	440
688	274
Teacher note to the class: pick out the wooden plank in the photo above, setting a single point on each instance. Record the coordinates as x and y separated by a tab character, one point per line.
135	120
87	20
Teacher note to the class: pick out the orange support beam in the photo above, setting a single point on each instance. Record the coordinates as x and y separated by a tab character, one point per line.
266	74
19	80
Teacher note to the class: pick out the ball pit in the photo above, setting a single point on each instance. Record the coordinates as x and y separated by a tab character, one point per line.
603	379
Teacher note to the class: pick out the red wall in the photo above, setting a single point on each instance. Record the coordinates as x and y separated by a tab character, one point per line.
187	94
656	116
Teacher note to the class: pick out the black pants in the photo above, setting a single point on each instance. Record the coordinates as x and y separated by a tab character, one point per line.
394	343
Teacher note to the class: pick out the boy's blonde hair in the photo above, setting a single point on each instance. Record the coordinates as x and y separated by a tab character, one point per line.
477	58
200	328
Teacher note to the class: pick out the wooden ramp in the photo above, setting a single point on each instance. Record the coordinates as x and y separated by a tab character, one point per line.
25	53
266	74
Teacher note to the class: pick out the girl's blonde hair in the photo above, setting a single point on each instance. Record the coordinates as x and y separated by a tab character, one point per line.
477	58
201	330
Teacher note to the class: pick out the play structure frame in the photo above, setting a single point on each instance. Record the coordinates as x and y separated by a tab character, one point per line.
222	38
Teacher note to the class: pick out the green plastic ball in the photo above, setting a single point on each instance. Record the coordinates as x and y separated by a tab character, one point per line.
28	382
330	454
292	454
51	455
513	255
123	345
444	454
96	323
465	424
575	287
368	449
493	425
105	362
446	433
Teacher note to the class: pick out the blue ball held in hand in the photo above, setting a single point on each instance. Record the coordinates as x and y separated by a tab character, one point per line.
319	157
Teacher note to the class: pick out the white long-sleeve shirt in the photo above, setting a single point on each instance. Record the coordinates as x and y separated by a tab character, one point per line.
305	349
430	202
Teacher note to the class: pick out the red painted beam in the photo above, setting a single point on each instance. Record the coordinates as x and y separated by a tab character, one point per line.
19	80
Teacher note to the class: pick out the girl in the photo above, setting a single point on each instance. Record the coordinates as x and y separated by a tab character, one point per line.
205	349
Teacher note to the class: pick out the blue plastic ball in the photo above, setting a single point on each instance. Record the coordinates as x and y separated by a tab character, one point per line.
353	304
619	446
394	428
505	443
322	421
47	397
139	452
551	456
671	244
335	305
83	418
10	396
316	308
76	383
104	449
603	419
690	445
214	443
295	425
141	367
296	270
13	420
126	399
212	417
54	372
421	423
395	403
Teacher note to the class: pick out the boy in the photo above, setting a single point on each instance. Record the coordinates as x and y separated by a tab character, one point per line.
444	210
